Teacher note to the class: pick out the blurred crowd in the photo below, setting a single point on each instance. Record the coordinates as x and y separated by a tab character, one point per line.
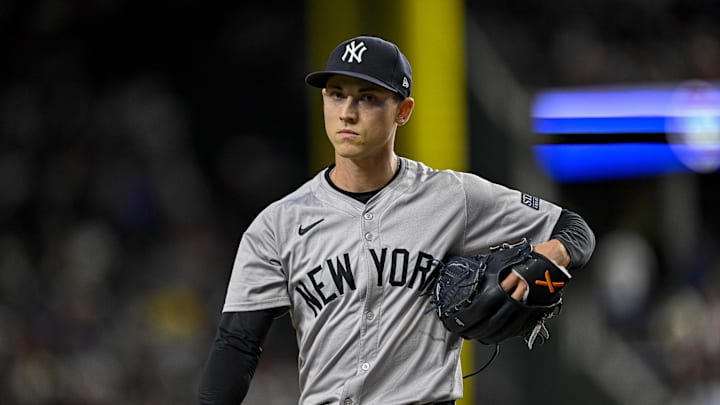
566	43
137	141
136	144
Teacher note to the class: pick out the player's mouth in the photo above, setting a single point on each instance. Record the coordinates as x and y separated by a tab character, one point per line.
347	133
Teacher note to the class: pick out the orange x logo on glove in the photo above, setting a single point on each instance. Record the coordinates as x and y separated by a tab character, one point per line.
549	283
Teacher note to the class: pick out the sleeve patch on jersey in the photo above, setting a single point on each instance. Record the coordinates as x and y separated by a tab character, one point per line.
531	201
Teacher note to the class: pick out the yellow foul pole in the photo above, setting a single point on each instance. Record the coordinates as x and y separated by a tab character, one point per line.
434	42
433	39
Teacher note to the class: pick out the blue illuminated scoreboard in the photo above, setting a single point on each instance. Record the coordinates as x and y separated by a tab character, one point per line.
615	132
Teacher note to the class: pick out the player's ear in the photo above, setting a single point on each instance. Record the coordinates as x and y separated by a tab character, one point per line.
405	110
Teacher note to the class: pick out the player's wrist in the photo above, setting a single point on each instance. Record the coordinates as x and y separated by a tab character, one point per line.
555	251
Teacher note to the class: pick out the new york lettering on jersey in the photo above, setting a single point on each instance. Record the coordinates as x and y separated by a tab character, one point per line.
395	267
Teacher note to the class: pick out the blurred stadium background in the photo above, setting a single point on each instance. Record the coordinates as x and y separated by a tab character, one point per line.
139	139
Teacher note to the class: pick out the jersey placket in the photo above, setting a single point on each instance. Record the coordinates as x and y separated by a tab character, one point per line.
371	310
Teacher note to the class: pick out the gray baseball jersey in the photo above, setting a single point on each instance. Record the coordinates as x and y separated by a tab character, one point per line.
352	275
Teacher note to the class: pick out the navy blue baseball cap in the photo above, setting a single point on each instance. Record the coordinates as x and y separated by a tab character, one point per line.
368	58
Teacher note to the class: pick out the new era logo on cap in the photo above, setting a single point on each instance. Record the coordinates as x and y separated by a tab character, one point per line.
368	58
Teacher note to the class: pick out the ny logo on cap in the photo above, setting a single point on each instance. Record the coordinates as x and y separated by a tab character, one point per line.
354	52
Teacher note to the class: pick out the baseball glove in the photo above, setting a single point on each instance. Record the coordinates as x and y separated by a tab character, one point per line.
470	302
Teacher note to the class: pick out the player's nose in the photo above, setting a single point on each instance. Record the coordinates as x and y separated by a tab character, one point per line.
348	110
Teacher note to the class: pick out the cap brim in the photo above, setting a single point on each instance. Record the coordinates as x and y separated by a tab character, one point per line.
319	79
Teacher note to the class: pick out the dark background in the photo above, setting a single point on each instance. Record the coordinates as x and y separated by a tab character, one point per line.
139	139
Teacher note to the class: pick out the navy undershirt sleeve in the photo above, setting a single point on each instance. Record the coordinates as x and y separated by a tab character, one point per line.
234	355
579	240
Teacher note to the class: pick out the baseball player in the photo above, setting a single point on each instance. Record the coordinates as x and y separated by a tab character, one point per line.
348	254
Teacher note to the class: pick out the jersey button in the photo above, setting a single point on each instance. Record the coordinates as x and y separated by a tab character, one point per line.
347	401
368	216
369	236
365	366
369	316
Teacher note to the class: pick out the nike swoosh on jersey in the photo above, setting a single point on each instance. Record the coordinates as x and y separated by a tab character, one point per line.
302	231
